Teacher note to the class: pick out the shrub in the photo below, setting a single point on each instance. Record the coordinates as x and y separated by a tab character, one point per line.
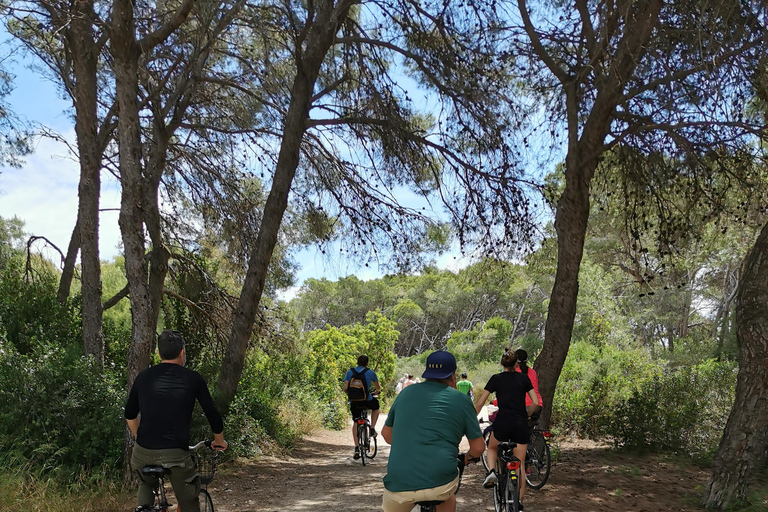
681	410
58	410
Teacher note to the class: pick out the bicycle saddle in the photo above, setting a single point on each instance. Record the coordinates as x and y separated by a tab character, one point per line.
156	471
428	503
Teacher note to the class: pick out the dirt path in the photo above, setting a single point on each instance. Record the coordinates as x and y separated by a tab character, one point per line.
321	476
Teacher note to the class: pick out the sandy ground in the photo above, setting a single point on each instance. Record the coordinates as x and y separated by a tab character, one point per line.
321	476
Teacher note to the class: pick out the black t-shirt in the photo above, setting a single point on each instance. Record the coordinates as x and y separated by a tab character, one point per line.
165	395
510	389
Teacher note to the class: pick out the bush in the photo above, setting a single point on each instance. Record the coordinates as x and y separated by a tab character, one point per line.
58	411
682	410
593	380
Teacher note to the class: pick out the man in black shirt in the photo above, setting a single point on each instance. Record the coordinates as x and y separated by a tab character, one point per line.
165	396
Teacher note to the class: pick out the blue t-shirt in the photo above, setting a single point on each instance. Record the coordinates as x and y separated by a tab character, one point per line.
369	376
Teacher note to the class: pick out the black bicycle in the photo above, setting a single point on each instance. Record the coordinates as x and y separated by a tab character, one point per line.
506	490
366	443
205	463
538	458
431	506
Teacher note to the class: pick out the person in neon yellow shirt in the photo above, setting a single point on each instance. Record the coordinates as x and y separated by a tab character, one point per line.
466	386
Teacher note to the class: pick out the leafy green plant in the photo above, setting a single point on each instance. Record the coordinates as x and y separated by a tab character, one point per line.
59	411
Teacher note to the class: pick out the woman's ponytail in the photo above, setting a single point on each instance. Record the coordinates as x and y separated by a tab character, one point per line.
522	358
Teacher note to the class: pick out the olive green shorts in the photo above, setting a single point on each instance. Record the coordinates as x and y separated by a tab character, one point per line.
184	477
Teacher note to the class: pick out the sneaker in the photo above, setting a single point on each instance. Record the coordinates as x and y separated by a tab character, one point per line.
490	480
373	432
357	454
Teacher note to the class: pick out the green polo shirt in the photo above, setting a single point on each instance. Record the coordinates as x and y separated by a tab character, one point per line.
428	421
464	386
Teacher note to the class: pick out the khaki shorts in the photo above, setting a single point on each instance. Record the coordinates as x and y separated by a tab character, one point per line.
404	501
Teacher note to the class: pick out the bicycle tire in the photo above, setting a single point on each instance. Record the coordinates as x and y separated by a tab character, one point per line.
538	461
486	438
362	434
371	447
499	492
207	505
513	494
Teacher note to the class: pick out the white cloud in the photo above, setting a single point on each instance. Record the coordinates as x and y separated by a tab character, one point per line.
43	193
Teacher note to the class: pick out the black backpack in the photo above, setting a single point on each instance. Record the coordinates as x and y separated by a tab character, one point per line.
357	390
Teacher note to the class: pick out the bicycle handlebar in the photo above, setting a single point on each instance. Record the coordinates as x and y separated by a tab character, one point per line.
208	443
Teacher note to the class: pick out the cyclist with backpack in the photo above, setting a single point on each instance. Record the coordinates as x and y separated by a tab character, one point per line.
357	386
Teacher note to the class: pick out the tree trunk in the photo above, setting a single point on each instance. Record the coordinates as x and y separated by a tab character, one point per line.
743	448
125	52
68	272
571	227
319	40
585	148
85	57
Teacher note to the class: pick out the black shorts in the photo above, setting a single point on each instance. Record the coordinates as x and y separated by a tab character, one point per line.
511	429
357	407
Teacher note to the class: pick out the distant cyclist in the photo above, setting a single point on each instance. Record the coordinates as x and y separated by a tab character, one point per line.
165	395
363	376
425	426
466	386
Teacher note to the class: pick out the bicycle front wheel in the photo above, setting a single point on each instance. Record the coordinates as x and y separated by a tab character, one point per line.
538	461
207	504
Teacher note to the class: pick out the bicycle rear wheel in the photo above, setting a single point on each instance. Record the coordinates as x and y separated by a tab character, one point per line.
538	461
371	448
500	492
207	504
362	439
513	493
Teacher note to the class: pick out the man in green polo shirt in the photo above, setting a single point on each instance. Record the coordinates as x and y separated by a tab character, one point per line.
425	426
465	386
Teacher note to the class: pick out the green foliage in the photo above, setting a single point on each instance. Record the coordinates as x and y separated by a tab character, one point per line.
333	351
271	397
485	342
59	411
29	311
681	410
593	380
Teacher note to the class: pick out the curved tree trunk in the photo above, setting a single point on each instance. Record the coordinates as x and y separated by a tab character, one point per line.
571	227
743	448
585	148
319	40
68	271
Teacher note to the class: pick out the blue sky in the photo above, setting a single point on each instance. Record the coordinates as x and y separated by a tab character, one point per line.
43	192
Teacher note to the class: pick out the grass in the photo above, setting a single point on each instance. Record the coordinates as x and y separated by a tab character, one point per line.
22	489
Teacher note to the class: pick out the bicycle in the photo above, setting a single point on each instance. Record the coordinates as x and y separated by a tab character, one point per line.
206	467
506	490
366	443
431	506
538	458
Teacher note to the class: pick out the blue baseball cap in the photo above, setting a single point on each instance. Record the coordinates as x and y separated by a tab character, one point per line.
440	365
